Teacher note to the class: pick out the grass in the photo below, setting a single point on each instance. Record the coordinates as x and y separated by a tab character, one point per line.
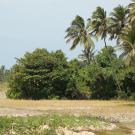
34	125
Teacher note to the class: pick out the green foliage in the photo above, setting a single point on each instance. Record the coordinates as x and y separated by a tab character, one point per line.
78	33
39	75
127	79
118	20
101	75
76	88
127	46
35	125
99	24
101	82
45	75
87	56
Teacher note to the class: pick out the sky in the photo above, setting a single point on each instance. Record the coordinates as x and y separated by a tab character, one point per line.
29	24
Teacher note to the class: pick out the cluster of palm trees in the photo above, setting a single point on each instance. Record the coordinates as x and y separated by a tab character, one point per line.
119	26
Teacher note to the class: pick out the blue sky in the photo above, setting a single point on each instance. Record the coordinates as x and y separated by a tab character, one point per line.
29	24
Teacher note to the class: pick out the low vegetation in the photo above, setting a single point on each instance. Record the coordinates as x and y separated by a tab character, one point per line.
46	125
66	117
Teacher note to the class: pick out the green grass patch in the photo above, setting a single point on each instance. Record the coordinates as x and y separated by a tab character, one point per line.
34	125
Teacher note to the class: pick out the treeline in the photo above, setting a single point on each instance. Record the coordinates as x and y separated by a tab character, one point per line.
48	75
102	75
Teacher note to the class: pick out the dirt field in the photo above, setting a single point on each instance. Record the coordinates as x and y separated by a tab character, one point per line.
116	111
121	112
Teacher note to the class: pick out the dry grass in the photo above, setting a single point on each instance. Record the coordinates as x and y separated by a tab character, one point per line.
114	108
122	110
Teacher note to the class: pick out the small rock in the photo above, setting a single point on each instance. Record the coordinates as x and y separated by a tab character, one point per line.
86	133
12	132
111	127
65	131
45	127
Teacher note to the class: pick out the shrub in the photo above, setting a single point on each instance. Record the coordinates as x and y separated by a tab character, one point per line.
127	80
39	75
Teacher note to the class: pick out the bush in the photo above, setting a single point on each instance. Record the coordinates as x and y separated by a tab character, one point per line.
77	88
39	75
132	96
127	80
100	82
122	95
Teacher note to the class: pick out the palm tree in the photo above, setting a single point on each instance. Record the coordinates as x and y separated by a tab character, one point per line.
87	55
99	24
132	12
127	45
118	20
79	33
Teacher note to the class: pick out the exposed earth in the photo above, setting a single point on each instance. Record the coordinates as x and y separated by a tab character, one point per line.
119	113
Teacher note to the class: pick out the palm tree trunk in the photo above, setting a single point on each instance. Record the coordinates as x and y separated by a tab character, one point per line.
105	42
87	55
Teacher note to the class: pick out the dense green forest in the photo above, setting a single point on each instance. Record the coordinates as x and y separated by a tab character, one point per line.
94	75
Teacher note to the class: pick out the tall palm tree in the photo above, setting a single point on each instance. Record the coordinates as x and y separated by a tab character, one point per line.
132	12
118	20
127	45
99	24
78	33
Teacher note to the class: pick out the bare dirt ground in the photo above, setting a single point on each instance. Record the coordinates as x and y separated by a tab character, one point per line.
119	111
115	111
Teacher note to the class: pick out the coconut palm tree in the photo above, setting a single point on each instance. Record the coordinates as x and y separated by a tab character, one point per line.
87	55
78	33
99	24
118	20
132	12
127	45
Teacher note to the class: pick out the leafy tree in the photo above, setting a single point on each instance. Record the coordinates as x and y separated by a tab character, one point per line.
39	75
77	88
106	56
101	74
101	82
127	79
